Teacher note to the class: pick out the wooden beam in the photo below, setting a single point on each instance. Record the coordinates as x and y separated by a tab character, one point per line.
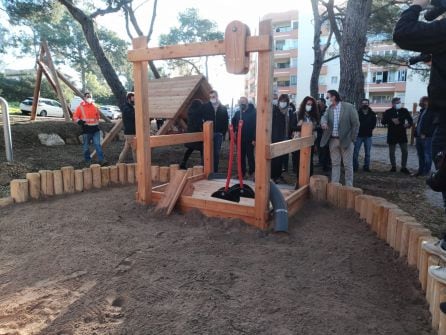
47	73
36	95
208	147
110	136
142	120
296	195
305	156
69	84
211	48
281	148
165	140
263	129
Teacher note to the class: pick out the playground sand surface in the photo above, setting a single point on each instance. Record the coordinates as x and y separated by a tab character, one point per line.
98	263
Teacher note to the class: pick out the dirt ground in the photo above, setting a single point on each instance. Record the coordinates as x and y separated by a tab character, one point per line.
97	263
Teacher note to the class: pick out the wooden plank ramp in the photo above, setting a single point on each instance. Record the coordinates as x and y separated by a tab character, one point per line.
173	191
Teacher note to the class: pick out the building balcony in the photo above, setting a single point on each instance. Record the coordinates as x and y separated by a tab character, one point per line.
286	90
292	34
386	87
285	53
286	72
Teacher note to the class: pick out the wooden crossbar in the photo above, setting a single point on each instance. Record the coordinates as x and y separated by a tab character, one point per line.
166	140
211	48
281	148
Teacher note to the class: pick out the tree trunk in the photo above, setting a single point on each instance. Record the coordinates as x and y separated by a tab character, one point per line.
318	56
352	48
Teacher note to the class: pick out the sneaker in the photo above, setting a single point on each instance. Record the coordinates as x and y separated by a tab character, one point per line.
438	272
393	169
103	163
436	248
405	171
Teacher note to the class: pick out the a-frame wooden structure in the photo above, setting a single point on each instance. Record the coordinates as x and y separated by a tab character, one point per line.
236	47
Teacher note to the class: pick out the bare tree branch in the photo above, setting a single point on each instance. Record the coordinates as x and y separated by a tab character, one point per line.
333	23
133	19
127	26
152	22
110	8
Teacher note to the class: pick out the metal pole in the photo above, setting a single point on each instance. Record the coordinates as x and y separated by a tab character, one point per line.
6	129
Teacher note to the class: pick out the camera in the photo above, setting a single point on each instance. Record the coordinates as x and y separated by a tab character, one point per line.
439	7
422	57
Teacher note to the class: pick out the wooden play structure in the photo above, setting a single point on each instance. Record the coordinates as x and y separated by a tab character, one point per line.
236	47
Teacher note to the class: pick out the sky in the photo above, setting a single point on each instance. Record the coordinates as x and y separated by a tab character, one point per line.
222	12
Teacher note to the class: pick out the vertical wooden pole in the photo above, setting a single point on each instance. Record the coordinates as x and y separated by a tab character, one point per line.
263	130
208	147
142	118
305	156
36	95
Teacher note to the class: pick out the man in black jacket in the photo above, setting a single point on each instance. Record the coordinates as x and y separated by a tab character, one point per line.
423	135
214	111
367	122
248	114
128	118
397	120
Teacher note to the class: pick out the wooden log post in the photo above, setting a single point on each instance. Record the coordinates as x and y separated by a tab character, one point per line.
364	206
46	183
391	224
19	190
400	222
372	204
333	193
305	157
412	251
155	173
78	180
197	170
432	261
131	170
172	169
407	226
424	266
352	193
114	176
105	176
208	147
164	174
442	322
422	240
34	184
373	213
438	289
96	175
6	201
68	179
318	187
384	219
122	173
88	178
358	202
58	182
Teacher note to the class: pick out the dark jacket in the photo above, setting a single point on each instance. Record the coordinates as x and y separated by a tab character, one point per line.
249	123
396	133
219	117
429	38
195	123
278	130
128	117
425	124
367	122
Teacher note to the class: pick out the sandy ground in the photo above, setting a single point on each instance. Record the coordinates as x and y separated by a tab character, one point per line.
97	263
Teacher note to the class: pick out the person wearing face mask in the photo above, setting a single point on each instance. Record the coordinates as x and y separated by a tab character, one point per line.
87	116
279	133
275	100
128	118
308	112
247	112
398	120
340	124
367	122
423	134
217	113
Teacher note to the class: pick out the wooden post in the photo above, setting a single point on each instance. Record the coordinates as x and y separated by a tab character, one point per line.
208	147
46	182
114	176
34	184
131	173
36	91
358	202
391	225
155	173
68	179
364	206
422	240
412	251
19	190
58	182
96	175
318	187
371	204
88	178
424	267
122	173
438	289
305	156
6	201
78	180
384	219
400	221
352	193
105	176
263	130
406	228
142	120
333	193
432	261
442	321
164	174
173	168
197	170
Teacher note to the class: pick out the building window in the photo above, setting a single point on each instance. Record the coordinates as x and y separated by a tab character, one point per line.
293	80
381	99
380	77
279	45
283	45
293	62
283	65
334	80
283	28
322	80
295	24
283	83
402	75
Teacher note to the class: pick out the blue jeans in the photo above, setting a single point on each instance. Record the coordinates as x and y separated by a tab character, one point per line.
367	146
439	144
96	139
424	152
218	140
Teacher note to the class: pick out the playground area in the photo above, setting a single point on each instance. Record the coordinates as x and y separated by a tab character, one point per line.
99	263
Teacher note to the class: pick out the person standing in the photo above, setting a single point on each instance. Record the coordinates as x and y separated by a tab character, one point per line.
322	151
248	114
87	116
340	124
398	120
423	134
217	113
367	122
128	118
194	124
279	133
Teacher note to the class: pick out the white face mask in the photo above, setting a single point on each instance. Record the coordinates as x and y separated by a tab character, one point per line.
89	100
283	104
214	101
398	106
308	108
275	101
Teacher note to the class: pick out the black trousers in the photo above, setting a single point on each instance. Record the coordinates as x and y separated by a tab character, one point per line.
248	154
